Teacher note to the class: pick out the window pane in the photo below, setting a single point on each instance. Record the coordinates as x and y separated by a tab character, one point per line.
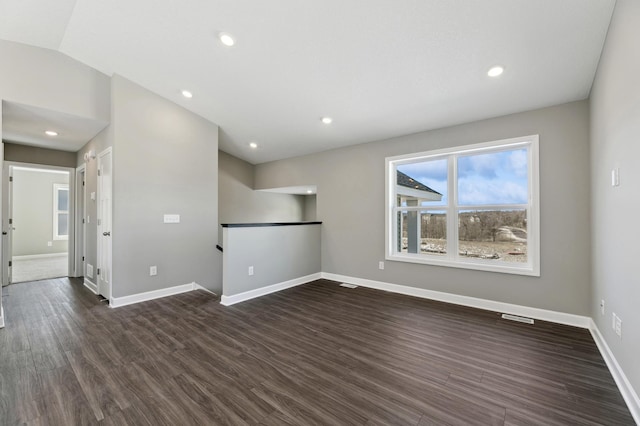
63	224
63	199
422	184
433	232
422	232
496	178
499	235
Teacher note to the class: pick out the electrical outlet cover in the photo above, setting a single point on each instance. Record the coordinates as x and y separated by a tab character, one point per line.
618	326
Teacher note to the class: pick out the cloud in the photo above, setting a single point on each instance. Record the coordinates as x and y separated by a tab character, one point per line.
494	178
484	165
517	163
434	169
491	191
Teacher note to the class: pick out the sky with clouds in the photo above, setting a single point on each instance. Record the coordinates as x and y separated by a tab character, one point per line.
494	178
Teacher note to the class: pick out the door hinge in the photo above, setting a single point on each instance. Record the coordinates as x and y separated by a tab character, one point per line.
82	183
83	258
10	263
83	220
98	271
10	178
10	221
99	172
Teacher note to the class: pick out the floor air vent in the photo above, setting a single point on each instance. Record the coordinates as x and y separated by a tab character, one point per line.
347	285
517	318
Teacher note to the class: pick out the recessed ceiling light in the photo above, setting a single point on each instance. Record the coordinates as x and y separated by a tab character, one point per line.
226	39
327	120
187	94
495	71
253	145
51	133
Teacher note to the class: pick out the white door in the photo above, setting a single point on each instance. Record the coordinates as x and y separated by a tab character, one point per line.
104	222
81	207
4	274
7	226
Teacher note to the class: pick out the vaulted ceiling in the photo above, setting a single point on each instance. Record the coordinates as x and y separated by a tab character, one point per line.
378	68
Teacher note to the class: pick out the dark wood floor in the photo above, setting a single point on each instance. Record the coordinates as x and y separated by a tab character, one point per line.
314	354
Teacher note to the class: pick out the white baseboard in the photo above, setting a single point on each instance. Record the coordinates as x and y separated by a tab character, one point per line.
628	393
117	302
197	286
1	315
90	285
474	302
39	256
252	294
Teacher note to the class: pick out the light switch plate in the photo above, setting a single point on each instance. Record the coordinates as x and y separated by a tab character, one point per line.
171	218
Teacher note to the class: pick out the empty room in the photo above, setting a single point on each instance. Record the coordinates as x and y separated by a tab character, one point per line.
319	213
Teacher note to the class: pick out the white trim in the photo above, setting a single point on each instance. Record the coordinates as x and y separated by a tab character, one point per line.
80	227
39	256
57	187
628	393
45	169
1	315
12	165
474	302
252	294
100	225
197	286
117	302
90	285
452	258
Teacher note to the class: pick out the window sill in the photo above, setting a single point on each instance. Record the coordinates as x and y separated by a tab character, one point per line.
477	265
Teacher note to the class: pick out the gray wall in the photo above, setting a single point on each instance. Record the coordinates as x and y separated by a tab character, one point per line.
48	79
277	254
33	213
239	203
350	202
36	155
310	207
165	161
102	141
615	134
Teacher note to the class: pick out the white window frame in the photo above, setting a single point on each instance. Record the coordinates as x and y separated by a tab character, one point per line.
56	211
452	258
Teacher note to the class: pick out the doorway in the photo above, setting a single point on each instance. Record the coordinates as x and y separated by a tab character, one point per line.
38	222
105	184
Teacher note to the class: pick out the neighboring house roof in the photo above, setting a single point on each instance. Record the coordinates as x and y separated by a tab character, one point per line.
409	182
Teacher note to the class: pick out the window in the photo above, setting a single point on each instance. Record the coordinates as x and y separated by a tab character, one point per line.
472	207
60	211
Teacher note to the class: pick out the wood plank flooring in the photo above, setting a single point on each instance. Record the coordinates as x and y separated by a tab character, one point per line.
317	354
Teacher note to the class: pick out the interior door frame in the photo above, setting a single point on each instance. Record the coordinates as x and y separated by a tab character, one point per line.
99	259
1	216
7	203
80	225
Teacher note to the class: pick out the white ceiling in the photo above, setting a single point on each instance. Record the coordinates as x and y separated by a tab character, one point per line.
379	68
26	125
